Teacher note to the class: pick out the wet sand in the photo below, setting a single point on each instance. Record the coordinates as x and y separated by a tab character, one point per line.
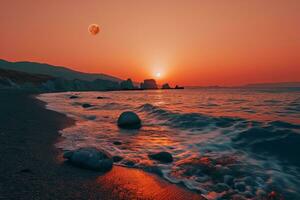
32	168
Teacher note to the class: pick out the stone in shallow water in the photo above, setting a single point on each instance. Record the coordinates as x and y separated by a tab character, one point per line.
73	97
129	120
86	105
117	143
117	158
90	158
102	97
164	157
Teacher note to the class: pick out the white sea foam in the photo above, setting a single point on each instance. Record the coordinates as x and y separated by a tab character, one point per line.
212	135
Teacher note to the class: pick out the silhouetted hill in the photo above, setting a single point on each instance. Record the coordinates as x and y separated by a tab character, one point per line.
54	71
22	77
12	80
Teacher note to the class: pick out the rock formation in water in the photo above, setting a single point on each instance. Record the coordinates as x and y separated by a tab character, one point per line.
149	84
166	86
127	85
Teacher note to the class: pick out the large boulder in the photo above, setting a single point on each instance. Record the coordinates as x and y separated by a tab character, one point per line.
90	158
129	120
163	157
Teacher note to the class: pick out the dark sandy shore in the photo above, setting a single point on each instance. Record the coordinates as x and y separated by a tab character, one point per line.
32	168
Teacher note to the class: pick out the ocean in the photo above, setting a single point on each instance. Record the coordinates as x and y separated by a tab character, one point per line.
225	142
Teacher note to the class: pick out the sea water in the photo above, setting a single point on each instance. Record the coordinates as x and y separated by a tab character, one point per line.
225	143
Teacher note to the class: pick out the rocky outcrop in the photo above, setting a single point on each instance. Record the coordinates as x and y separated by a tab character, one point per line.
90	158
129	120
127	85
166	86
149	84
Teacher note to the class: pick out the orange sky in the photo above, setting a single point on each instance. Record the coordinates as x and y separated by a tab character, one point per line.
190	42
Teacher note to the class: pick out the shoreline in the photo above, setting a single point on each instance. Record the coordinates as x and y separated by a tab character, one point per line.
32	167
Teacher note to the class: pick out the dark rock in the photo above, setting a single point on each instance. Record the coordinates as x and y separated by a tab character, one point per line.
117	158
149	84
129	163
127	85
74	97
164	157
129	120
90	158
86	105
166	86
102	97
117	143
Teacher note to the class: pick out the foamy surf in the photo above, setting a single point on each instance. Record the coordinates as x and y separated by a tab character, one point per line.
224	143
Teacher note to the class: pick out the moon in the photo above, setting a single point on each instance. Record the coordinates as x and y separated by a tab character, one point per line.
94	29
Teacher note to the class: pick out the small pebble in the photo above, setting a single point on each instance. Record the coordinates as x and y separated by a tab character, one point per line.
117	143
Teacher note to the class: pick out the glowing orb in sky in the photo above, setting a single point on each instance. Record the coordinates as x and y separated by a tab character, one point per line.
158	75
94	29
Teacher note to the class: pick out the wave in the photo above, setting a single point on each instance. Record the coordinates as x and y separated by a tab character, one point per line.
193	121
220	155
281	143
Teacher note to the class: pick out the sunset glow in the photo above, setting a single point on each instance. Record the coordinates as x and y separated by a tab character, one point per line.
198	42
140	99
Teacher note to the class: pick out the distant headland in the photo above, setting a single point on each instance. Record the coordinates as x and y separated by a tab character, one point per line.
42	77
147	84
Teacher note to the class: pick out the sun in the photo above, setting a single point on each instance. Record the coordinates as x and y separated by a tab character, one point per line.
158	75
